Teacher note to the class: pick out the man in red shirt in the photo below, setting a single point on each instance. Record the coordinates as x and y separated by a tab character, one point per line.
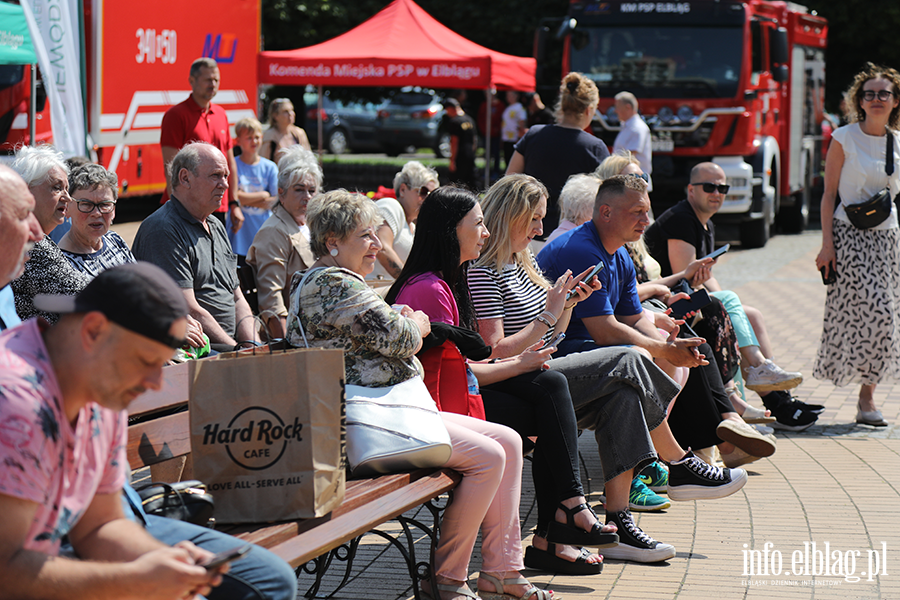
197	119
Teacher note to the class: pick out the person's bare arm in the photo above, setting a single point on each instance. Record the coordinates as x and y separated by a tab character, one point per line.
211	327
531	360
161	574
454	152
516	164
301	135
608	330
168	153
387	256
245	323
237	215
261	199
681	257
834	162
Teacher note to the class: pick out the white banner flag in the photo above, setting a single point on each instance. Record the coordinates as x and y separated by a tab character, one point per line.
54	29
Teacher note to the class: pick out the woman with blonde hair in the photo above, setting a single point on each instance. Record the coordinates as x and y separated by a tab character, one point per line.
282	132
551	153
618	392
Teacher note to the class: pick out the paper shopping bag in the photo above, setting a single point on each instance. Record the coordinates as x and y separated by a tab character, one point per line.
267	433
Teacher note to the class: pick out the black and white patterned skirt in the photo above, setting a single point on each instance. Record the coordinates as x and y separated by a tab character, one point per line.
861	330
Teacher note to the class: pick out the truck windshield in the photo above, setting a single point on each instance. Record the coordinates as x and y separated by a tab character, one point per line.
660	62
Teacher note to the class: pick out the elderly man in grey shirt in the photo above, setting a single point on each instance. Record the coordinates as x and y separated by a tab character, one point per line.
194	249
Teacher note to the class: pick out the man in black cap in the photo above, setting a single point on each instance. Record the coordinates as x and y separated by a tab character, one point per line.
463	142
63	434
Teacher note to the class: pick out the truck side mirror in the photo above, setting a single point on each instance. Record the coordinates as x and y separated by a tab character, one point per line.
540	43
778	46
780	73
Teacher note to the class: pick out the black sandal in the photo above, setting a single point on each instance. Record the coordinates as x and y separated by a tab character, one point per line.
571	534
548	561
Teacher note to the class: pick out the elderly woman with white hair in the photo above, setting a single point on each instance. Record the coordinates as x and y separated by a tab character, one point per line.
411	185
47	271
576	202
281	246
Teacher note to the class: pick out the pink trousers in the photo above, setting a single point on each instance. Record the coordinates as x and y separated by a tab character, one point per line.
489	457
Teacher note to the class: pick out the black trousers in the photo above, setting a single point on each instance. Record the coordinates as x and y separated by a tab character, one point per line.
538	404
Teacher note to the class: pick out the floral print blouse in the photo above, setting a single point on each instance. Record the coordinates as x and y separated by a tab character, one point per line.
336	309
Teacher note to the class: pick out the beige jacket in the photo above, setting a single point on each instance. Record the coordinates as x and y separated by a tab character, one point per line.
278	251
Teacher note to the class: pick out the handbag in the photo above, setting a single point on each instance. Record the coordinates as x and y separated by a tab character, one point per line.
184	501
877	209
393	428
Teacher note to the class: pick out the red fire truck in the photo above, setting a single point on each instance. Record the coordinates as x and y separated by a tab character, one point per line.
138	57
738	82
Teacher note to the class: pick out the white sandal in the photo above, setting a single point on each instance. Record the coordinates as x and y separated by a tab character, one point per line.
532	593
756	416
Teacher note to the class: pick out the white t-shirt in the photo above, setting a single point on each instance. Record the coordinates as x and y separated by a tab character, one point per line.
862	175
513	117
635	136
392	212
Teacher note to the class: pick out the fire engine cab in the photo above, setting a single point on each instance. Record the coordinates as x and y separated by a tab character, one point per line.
740	83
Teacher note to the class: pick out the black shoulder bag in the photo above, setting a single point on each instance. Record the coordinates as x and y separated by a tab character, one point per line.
876	209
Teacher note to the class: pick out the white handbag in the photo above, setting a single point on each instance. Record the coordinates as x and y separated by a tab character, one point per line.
391	429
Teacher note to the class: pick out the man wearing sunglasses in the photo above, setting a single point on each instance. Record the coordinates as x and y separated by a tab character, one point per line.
686	232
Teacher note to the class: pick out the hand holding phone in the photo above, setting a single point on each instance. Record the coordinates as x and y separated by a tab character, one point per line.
587	279
717	253
227	556
698	300
831	277
554	343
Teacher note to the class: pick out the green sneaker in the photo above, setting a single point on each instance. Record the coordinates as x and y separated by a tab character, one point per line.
643	499
656	477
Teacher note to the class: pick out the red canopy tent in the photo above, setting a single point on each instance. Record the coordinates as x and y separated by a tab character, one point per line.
400	46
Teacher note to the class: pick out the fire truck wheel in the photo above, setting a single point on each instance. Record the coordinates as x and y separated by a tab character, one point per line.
755	233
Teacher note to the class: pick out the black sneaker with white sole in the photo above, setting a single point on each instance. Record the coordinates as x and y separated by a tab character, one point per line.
792	418
692	479
776	399
634	544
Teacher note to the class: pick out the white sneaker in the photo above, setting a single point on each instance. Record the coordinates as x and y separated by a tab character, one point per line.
769	377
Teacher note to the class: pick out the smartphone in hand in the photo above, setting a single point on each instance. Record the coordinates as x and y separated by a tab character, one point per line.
698	300
554	343
227	556
717	253
831	277
597	268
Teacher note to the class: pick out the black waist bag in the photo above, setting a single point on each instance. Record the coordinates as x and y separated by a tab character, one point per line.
877	209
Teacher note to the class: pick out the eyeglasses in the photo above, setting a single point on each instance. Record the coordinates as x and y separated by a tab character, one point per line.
87	207
883	95
709	188
424	191
643	176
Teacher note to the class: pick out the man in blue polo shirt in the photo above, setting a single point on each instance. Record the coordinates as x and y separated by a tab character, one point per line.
612	316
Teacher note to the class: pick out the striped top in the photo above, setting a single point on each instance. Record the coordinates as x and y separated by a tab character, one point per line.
509	295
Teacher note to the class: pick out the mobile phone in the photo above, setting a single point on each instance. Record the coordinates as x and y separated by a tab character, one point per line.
227	556
698	300
717	253
597	268
830	278
556	340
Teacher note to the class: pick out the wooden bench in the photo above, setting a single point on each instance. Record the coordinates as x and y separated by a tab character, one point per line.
157	434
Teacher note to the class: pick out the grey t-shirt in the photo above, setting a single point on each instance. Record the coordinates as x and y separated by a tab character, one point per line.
178	243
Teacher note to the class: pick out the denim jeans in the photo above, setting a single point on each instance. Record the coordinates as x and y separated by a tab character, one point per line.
259	575
619	393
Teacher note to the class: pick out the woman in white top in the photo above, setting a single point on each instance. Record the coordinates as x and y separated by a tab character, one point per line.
861	331
411	185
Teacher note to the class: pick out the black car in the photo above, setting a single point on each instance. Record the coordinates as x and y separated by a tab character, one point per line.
413	118
346	126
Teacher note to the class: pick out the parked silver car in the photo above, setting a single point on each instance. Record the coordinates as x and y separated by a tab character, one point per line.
346	126
413	118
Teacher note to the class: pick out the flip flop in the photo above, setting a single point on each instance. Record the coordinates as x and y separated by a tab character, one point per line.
548	561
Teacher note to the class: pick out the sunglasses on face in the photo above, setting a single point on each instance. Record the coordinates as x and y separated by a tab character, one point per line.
643	176
709	188
423	192
87	207
883	95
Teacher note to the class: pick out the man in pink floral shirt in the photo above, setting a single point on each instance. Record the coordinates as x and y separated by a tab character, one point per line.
63	391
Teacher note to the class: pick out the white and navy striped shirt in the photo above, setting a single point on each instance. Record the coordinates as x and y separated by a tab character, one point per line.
509	295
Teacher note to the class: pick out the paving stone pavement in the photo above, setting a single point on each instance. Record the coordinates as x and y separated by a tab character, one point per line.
832	488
